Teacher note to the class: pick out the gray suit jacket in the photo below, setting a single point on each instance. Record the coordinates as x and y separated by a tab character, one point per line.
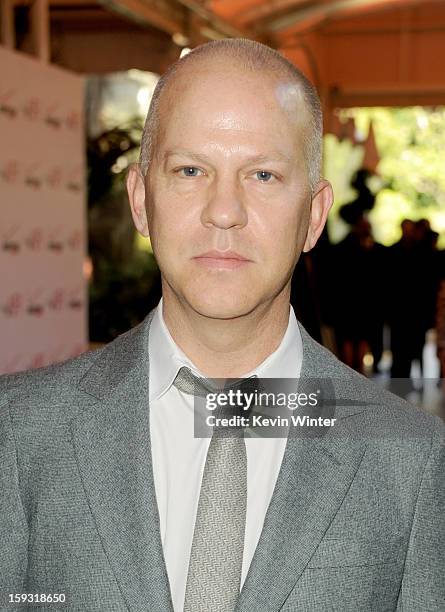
356	521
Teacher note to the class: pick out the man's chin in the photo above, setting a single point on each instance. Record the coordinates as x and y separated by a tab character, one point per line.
221	307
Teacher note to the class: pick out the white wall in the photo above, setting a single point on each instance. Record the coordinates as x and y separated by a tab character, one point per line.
43	299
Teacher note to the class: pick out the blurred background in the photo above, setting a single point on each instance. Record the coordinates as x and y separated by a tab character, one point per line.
76	79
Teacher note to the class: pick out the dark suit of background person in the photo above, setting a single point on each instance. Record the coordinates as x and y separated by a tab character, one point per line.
356	521
440	316
357	281
413	274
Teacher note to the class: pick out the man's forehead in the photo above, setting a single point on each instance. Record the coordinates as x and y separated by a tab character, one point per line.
272	155
204	72
212	103
290	96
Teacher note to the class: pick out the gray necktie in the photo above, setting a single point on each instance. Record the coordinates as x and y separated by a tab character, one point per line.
214	573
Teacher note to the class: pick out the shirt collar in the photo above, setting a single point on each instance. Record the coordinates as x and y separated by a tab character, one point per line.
166	358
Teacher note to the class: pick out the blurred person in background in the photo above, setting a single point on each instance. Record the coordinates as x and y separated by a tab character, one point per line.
357	279
440	317
412	289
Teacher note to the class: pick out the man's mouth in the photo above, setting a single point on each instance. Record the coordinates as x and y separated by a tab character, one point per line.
222	259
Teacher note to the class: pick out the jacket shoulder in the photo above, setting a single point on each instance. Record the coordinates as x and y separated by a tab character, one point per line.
44	389
375	408
49	396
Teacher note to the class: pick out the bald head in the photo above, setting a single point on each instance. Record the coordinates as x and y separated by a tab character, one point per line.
294	93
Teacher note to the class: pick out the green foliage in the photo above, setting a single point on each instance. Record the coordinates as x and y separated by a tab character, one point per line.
411	145
125	281
107	155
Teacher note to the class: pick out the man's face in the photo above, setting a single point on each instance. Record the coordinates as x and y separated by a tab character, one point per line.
227	196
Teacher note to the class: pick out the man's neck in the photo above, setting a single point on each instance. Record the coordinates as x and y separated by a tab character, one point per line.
227	348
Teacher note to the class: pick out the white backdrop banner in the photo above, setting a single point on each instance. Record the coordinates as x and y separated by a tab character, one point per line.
43	293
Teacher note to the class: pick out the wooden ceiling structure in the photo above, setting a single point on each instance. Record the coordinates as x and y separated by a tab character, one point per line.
357	52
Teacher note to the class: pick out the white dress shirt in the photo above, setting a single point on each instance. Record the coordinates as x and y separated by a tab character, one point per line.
178	457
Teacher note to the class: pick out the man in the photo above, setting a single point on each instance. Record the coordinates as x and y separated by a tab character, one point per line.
106	493
413	274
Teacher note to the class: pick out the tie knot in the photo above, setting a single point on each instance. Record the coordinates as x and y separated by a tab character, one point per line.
191	384
235	389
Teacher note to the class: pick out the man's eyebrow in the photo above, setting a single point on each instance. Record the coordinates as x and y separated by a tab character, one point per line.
260	158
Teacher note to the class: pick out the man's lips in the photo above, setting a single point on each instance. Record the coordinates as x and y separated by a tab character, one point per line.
222	259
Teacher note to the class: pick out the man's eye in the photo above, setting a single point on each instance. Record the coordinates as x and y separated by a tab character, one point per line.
189	171
264	176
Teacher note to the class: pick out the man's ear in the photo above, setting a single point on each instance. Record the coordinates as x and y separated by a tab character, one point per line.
136	197
321	205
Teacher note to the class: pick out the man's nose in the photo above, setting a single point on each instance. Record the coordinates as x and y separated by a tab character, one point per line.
225	206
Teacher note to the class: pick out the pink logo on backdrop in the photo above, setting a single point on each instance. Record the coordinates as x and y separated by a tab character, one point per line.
75	240
10	242
13	306
73	179
55	243
6	106
52	118
34	303
31	109
75	301
54	177
34	239
72	120
32	178
19	361
10	171
57	299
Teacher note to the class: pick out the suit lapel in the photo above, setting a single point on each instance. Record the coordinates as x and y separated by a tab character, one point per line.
112	442
314	478
312	483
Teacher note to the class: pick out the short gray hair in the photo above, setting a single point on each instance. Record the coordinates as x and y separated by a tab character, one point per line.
253	56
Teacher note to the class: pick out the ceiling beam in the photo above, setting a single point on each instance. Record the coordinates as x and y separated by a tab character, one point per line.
7	24
386	96
172	17
215	22
264	10
39	14
162	15
88	18
53	3
305	18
